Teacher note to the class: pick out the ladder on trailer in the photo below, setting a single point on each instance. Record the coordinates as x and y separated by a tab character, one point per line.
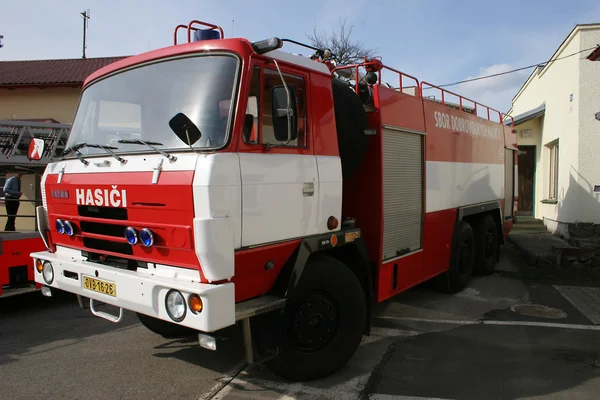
15	137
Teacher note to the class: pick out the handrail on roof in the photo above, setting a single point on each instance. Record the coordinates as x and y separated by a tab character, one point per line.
375	65
190	29
461	100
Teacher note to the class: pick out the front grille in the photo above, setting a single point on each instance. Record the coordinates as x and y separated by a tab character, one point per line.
103	212
104	245
103	229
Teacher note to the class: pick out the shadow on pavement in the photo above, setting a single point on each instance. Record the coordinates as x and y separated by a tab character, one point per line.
489	362
32	324
188	350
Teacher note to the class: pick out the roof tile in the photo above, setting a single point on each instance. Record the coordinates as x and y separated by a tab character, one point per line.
51	72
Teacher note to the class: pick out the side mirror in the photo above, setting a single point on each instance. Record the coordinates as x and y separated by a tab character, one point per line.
185	129
284	112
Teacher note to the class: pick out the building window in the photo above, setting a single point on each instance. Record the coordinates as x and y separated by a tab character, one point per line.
553	168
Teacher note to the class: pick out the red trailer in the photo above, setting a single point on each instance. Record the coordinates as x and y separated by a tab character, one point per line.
16	266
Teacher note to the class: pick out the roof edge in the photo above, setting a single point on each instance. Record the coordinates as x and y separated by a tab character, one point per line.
576	29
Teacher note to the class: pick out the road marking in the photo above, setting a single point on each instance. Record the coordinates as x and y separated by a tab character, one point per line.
223	386
490	322
585	299
377	396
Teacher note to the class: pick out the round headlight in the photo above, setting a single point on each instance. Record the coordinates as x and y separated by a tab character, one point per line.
146	237
48	272
175	304
131	235
60	226
68	228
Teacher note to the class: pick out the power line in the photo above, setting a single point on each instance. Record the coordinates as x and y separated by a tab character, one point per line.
511	71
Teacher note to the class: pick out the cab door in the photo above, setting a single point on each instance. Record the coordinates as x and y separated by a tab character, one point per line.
280	189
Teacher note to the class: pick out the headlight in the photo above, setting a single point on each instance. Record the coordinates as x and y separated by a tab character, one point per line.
60	226
175	304
48	272
68	228
131	235
147	237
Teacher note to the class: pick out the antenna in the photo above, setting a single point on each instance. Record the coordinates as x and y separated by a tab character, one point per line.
86	15
232	25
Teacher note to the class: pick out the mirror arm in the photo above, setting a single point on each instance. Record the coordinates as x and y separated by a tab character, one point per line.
289	100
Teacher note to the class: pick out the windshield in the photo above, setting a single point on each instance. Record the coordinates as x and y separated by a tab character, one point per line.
137	105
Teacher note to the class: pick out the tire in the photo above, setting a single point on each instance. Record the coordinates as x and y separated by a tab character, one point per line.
168	330
487	247
313	346
462	261
351	122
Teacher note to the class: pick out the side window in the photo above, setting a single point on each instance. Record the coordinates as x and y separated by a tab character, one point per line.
274	111
251	123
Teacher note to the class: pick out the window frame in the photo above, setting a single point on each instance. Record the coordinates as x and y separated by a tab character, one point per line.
266	63
553	163
305	80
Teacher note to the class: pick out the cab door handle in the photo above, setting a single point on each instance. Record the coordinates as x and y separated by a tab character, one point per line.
308	189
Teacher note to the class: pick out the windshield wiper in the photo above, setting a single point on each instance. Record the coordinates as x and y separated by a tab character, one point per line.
108	149
77	153
151	145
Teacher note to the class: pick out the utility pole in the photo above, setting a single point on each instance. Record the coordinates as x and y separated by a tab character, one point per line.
86	16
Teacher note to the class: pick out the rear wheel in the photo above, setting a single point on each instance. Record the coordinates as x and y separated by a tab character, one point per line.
462	261
168	330
324	322
486	245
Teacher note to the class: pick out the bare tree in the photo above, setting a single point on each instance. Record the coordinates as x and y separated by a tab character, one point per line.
346	50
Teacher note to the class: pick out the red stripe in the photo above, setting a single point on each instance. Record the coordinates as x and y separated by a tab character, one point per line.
447	141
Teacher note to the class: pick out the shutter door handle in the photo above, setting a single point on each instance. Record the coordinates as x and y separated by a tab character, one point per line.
308	189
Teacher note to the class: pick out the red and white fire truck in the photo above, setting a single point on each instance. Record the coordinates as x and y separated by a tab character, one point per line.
221	180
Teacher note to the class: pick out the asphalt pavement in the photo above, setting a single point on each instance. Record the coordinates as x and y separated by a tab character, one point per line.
500	338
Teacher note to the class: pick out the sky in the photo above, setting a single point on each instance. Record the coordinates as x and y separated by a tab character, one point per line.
436	41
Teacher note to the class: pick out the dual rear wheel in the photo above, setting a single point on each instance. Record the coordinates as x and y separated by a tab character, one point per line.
474	252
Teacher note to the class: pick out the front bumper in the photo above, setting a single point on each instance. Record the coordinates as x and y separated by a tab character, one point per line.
143	292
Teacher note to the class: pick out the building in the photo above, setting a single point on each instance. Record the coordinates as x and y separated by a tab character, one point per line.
40	90
559	137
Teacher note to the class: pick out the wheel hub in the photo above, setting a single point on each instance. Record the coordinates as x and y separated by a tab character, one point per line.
315	322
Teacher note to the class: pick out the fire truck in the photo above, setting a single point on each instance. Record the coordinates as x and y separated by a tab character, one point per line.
16	271
221	181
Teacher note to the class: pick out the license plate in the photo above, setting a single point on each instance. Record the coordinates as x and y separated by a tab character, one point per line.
96	285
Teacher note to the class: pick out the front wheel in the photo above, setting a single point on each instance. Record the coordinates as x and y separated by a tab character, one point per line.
324	322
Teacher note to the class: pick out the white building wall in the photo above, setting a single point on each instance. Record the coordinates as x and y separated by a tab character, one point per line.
554	86
588	174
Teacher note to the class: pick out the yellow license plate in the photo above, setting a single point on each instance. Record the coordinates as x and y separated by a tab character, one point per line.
99	286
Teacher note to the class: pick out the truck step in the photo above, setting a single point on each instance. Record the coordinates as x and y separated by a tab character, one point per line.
8	292
257	306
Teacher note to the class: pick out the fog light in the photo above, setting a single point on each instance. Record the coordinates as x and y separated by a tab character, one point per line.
48	272
175	304
46	291
206	341
147	237
68	228
39	265
195	304
60	226
131	235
